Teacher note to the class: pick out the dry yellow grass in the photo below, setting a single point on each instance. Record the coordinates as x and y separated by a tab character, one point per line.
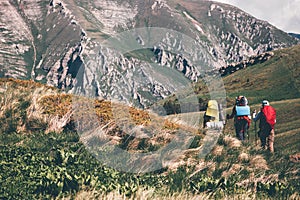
243	157
217	150
235	168
232	142
50	110
23	83
258	162
141	194
56	104
49	105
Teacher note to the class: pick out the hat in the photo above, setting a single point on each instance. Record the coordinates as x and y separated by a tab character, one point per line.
265	103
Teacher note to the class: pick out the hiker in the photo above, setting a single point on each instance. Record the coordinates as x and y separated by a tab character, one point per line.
266	133
241	115
213	116
206	119
212	112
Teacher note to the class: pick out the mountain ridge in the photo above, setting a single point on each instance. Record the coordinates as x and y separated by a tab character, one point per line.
59	36
297	35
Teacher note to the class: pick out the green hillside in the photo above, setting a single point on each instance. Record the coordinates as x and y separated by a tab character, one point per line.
276	79
44	156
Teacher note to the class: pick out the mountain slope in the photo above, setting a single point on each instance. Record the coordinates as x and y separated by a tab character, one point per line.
274	79
63	161
29	107
41	37
295	35
51	41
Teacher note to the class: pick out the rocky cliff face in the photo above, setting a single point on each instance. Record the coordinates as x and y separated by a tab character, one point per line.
54	40
38	40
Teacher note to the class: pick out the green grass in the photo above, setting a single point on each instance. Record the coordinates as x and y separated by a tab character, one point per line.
287	117
53	165
57	165
276	79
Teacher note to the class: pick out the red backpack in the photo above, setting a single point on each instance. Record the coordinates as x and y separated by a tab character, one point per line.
270	114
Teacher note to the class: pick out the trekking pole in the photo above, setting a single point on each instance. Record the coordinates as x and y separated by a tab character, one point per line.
255	133
248	134
224	127
254	116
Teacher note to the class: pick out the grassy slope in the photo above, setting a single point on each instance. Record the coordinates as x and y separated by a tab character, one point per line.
28	110
278	81
280	72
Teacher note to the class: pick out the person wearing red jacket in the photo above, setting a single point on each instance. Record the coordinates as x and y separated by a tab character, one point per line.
266	133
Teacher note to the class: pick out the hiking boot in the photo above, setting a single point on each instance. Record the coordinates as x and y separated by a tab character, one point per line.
263	148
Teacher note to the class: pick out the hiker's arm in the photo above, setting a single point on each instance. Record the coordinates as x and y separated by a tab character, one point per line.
232	113
257	117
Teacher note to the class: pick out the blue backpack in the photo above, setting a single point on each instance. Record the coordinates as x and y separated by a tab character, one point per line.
242	108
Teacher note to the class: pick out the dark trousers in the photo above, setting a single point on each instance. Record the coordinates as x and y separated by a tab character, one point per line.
266	135
263	138
241	127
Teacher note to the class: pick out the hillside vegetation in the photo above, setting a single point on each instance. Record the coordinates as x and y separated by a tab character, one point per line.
45	160
44	154
275	79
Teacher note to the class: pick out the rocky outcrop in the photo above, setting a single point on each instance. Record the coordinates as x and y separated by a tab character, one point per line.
16	42
253	60
51	42
36	40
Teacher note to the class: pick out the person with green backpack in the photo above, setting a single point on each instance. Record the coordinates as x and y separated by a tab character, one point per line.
266	133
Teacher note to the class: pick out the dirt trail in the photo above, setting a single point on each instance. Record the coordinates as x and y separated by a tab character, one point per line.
230	108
